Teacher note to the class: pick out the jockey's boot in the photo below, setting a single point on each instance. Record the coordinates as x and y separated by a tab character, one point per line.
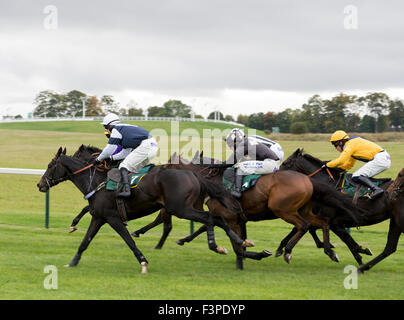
376	191
125	193
237	190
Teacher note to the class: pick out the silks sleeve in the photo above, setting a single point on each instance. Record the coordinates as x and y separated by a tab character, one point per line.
343	160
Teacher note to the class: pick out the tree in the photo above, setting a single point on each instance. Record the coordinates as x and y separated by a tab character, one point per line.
48	104
135	112
228	118
335	111
243	119
367	124
269	121
284	120
396	114
298	127
73	102
175	108
94	107
313	114
155	111
377	103
109	105
256	121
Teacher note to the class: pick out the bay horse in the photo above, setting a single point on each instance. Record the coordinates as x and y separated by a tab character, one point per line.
176	190
288	195
372	211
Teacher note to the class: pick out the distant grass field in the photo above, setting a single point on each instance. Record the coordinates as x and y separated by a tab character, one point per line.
108	269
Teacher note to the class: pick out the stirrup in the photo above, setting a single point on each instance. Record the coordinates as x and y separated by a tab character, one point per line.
236	193
377	193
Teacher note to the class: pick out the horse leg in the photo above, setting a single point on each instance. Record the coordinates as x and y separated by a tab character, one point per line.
117	224
307	213
354	247
391	246
93	228
151	225
167	227
192	236
285	241
301	228
78	218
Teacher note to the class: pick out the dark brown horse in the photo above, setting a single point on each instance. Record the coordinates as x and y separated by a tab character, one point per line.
177	191
373	211
288	195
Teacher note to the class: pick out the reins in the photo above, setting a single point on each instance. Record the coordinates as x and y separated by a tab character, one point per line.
318	170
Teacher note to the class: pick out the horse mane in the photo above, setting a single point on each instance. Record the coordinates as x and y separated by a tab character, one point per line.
86	149
319	162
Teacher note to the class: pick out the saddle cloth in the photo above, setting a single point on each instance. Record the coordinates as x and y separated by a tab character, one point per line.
114	177
249	181
349	187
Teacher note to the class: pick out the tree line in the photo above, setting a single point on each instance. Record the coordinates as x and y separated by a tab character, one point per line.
374	112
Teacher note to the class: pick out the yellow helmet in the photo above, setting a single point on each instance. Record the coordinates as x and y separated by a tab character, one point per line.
338	135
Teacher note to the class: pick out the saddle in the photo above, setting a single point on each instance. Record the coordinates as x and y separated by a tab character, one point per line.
114	178
114	184
357	190
228	180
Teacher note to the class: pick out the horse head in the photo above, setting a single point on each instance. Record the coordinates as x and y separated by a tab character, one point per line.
397	187
54	170
290	162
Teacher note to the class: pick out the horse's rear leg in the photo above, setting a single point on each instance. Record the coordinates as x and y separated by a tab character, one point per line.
146	228
192	236
391	246
117	224
167	227
93	228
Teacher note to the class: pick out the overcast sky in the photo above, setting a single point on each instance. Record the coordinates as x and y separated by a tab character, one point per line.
236	56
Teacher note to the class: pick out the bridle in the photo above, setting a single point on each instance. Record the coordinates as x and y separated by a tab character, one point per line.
395	189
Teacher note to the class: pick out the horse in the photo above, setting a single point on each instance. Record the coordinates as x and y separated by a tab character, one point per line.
373	211
154	192
288	195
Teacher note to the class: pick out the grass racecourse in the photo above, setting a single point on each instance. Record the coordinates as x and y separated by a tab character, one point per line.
108	269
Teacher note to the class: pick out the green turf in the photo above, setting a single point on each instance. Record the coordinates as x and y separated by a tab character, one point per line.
108	269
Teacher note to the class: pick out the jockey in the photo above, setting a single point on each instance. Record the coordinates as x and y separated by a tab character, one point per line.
252	155
144	148
377	159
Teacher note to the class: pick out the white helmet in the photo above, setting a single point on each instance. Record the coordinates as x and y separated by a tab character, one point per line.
235	134
109	119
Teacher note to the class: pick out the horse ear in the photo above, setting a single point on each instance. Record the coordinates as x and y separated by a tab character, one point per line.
59	152
64	151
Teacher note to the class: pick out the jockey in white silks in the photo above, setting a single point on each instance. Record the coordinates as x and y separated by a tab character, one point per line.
252	155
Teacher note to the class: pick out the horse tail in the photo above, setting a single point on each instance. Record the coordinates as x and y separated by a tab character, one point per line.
327	195
219	192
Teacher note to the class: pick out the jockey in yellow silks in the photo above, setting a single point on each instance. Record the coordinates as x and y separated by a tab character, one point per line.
377	159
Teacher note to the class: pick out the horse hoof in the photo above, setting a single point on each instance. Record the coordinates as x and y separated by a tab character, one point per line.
179	242
278	253
266	253
134	234
335	258
287	257
368	252
70	265
248	243
72	229
144	267
222	250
